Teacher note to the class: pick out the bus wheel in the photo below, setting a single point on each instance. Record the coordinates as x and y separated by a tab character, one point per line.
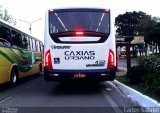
14	76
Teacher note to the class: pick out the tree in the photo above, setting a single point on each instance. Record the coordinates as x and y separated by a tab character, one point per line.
139	23
4	15
128	24
153	36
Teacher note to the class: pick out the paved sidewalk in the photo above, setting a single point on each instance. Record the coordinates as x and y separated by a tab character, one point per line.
121	71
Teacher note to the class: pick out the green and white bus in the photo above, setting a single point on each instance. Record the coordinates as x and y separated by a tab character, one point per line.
20	54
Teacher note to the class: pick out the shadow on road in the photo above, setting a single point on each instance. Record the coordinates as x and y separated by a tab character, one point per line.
76	88
8	85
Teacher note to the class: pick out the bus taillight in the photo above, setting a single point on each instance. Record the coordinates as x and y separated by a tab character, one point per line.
110	59
48	61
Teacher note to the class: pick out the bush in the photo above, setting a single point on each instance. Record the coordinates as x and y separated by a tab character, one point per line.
135	74
152	83
151	63
148	73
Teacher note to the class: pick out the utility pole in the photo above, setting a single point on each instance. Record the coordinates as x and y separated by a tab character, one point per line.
30	23
128	56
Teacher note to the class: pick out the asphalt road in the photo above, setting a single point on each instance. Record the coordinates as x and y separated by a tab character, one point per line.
35	95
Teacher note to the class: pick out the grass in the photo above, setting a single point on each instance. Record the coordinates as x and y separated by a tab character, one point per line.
139	87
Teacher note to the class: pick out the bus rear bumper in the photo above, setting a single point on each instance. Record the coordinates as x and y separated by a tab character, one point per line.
95	75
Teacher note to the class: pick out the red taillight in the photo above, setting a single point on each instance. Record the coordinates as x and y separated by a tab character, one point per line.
110	59
79	33
48	61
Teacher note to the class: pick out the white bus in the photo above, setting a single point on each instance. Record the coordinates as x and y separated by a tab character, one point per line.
79	43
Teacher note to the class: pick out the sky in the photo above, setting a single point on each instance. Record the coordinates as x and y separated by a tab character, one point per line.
31	10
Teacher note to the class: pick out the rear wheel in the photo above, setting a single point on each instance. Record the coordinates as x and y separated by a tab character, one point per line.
14	76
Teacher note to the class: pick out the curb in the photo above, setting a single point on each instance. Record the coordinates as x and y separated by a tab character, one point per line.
135	96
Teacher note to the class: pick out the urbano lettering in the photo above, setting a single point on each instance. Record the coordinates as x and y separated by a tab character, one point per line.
79	55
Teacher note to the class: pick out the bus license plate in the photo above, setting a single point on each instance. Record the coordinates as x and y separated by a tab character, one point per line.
79	75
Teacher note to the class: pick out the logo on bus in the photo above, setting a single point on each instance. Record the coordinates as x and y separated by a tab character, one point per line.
98	63
79	55
60	47
56	60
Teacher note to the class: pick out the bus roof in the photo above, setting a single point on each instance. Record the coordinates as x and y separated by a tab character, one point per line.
80	9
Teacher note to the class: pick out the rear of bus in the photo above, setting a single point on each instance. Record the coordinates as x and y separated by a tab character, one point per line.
79	44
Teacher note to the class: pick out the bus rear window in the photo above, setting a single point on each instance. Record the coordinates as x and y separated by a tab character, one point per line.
79	20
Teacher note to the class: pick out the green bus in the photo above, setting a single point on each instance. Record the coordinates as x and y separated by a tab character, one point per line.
21	54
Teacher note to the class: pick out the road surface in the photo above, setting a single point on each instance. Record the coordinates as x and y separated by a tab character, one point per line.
35	95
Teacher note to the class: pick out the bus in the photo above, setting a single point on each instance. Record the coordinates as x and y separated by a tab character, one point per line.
20	54
79	43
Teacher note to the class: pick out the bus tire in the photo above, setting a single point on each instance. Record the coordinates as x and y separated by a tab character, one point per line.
14	76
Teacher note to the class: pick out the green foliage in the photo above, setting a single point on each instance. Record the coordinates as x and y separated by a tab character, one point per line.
152	78
135	74
154	34
139	23
138	87
151	63
147	73
4	15
128	24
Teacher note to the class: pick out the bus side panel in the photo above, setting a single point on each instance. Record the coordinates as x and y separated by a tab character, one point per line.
27	62
31	63
4	69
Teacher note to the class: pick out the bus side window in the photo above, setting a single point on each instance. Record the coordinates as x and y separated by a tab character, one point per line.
41	47
31	44
15	41
1	36
28	47
19	38
5	38
38	46
34	45
25	42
